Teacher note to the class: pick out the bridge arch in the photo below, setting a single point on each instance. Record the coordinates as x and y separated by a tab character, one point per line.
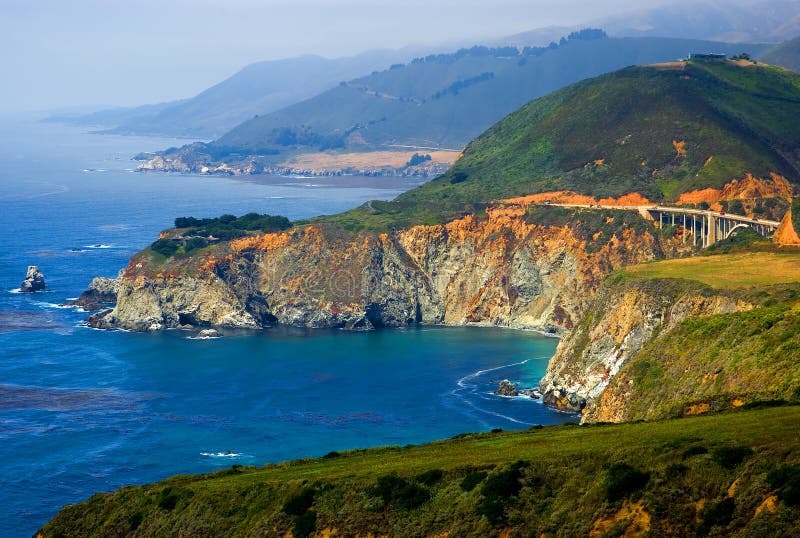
733	230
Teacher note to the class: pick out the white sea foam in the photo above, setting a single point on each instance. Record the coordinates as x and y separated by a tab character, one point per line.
98	246
465	384
221	454
75	307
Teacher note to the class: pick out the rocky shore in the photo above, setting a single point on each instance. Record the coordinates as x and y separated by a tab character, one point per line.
189	164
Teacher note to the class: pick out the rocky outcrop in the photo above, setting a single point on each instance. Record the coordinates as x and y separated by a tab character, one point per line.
787	233
623	318
502	269
145	304
749	191
34	280
102	291
507	388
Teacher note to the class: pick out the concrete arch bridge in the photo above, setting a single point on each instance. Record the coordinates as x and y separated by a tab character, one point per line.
703	227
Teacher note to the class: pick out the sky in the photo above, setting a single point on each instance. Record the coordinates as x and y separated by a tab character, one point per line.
57	54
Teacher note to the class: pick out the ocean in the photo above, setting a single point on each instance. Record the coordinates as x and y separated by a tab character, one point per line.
85	411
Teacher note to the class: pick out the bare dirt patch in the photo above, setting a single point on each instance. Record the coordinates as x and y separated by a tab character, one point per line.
331	162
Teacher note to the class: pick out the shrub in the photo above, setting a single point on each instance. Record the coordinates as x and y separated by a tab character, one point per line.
786	483
387	487
472	480
395	490
411	496
167	499
429	478
194	243
230	226
305	525
458	177
717	515
694	451
165	247
675	470
134	520
730	457
418	158
498	489
299	504
622	480
331	455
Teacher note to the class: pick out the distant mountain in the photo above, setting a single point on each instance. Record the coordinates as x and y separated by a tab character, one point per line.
742	21
446	100
108	117
786	55
259	88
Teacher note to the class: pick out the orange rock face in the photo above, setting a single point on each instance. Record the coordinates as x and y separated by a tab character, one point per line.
747	188
570	197
786	235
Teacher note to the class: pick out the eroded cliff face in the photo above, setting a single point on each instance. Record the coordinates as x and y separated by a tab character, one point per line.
497	269
623	318
751	192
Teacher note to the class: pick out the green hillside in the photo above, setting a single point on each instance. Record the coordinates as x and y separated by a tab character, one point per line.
743	117
786	55
735	474
448	99
614	135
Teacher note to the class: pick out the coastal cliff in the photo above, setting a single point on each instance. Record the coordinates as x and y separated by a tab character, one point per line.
655	344
513	266
621	321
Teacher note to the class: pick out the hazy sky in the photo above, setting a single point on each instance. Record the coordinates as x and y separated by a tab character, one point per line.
58	53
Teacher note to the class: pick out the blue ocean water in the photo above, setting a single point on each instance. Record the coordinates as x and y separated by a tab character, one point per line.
83	411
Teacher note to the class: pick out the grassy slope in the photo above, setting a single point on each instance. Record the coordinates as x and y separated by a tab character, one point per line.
738	270
710	362
561	489
397	106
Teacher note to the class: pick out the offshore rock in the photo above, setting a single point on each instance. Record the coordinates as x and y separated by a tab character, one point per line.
209	333
507	388
34	280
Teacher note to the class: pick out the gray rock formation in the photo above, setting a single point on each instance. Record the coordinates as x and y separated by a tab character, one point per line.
102	291
209	333
507	388
34	280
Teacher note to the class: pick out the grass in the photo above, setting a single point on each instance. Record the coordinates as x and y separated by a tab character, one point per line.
556	481
730	271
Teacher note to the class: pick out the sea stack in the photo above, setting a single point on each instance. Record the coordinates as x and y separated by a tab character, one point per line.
34	280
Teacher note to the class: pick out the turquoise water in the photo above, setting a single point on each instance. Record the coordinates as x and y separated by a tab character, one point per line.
84	411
